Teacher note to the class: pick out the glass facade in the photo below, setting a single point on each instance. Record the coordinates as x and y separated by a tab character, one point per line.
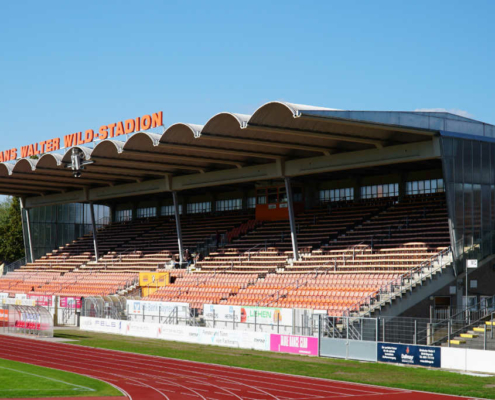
55	226
332	195
251	202
378	191
123	215
169	210
229	205
146	212
469	175
198	208
425	187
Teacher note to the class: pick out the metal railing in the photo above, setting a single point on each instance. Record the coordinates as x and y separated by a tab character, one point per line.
406	282
16	264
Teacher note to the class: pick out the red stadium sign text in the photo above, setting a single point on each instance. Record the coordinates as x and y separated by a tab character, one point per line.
75	139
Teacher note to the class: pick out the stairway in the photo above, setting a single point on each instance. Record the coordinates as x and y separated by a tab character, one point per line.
474	337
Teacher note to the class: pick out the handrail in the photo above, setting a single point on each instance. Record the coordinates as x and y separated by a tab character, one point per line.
399	281
448	324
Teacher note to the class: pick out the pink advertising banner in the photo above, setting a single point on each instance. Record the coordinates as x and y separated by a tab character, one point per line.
294	344
42	300
70	302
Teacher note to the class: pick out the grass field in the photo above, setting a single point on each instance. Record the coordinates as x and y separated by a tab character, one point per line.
19	380
352	371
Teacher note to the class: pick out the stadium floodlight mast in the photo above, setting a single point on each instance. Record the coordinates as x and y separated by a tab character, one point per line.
77	162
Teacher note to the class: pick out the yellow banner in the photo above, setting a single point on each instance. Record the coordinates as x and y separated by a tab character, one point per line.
154	279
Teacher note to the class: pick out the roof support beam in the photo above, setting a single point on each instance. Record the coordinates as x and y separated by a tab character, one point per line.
146	164
264	143
391	155
39	182
228	152
184	158
65	176
40	189
370	125
128	172
316	135
16	192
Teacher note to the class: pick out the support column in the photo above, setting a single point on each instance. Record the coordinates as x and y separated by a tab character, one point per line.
93	224
177	226
292	219
28	225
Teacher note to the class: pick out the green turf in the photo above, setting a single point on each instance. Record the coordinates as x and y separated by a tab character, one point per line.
19	380
430	380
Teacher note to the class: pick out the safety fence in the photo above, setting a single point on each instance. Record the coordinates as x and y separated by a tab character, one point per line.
256	319
304	322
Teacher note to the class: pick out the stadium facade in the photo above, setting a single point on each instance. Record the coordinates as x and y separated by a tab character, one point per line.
277	163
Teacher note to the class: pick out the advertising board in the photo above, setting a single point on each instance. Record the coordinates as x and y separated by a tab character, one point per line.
69	302
157	308
306	345
42	300
425	356
180	333
249	315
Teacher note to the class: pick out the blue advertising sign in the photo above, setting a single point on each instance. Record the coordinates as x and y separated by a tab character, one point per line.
425	356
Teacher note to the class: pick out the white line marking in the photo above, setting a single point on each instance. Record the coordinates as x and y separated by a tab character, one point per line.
51	379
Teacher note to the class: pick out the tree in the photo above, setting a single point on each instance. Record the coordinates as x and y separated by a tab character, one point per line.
11	238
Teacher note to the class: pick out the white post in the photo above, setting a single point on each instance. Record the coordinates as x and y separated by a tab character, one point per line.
28	225
95	240
177	226
292	220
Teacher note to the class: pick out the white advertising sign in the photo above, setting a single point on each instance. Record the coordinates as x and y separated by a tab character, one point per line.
249	315
157	308
19	302
472	263
179	333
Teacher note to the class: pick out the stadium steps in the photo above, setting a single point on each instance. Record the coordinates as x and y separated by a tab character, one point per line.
393	303
474	337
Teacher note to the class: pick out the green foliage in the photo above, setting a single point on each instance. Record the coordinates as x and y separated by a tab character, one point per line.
11	238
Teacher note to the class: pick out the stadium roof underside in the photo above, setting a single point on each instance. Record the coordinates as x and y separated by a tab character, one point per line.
279	139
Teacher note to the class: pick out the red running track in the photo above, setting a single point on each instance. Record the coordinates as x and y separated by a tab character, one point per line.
143	377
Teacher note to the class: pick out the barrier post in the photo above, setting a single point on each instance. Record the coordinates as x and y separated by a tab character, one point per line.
255	320
448	332
278	325
491	324
383	325
347	328
415	331
484	337
159	314
176	315
213	318
233	320
377	330
319	334
144	310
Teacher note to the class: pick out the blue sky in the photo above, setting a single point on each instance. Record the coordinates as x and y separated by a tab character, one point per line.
71	66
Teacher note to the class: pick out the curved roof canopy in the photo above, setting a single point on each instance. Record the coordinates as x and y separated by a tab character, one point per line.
228	144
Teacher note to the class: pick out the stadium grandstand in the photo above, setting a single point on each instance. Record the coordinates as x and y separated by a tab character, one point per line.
294	206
